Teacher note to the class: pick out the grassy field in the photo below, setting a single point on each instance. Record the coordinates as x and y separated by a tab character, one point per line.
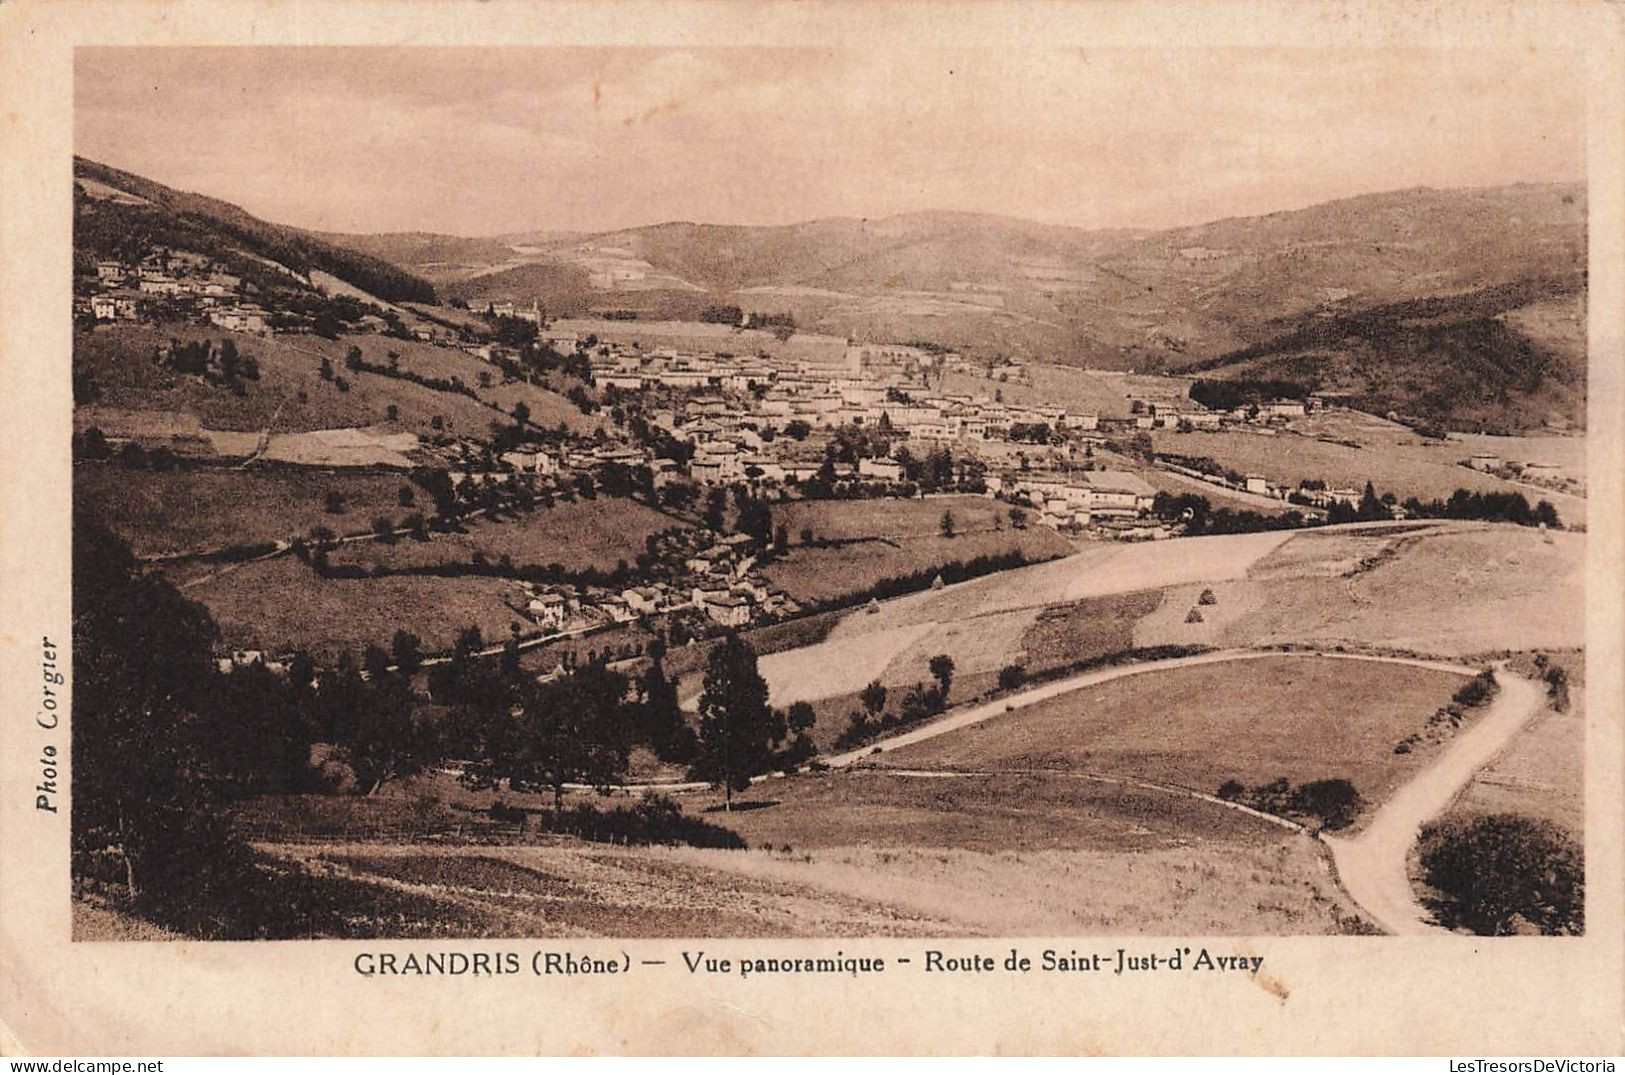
1542	773
1459	591
890	518
1401	463
857	853
1078	630
595	533
206	507
282	604
1568	452
1032	811
813	574
982	623
290	395
1303	718
568	889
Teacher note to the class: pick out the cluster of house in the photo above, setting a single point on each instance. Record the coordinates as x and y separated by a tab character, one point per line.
558	461
1312	494
1079	499
531	313
1187	415
868	387
123	291
715	578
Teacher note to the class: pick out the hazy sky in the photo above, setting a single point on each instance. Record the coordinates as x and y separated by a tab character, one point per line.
482	141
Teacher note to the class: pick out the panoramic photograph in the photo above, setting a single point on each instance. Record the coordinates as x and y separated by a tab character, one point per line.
555	492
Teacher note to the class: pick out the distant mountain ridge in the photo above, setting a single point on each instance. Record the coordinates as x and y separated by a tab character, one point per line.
1453	306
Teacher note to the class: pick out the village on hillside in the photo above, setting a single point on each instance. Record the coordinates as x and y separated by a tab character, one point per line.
801	417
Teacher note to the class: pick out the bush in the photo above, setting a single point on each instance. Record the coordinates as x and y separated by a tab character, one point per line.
1480	689
1503	874
1335	802
1012	676
654	820
1207	598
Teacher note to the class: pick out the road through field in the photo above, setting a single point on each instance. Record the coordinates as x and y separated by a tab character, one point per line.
1373	865
977	714
954	720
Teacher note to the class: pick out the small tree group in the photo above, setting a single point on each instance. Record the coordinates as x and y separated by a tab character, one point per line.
918	703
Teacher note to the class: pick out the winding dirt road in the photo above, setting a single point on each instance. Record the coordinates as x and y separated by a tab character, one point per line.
1372	866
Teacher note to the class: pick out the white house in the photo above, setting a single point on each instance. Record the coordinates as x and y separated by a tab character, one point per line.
882	469
730	610
547	610
643	600
530	462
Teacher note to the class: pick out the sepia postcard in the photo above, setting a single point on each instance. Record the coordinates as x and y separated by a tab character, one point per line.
811	528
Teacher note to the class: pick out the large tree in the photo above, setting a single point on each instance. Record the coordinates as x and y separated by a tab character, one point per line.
145	758
575	729
738	729
374	722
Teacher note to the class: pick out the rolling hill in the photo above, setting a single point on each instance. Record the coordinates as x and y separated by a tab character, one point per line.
120	212
1326	295
1462	308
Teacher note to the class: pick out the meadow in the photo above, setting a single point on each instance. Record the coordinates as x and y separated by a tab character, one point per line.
1304	718
1394	460
291	395
282	604
594	533
197	508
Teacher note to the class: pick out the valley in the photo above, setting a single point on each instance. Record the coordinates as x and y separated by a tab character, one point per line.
933	575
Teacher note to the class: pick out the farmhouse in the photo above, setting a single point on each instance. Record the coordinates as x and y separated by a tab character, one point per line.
530	462
730	610
547	610
111	307
238	319
884	469
1117	492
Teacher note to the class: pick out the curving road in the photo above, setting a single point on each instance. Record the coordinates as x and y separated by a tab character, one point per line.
977	714
1373	866
956	719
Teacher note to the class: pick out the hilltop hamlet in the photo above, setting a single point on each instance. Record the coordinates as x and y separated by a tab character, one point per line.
551	587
